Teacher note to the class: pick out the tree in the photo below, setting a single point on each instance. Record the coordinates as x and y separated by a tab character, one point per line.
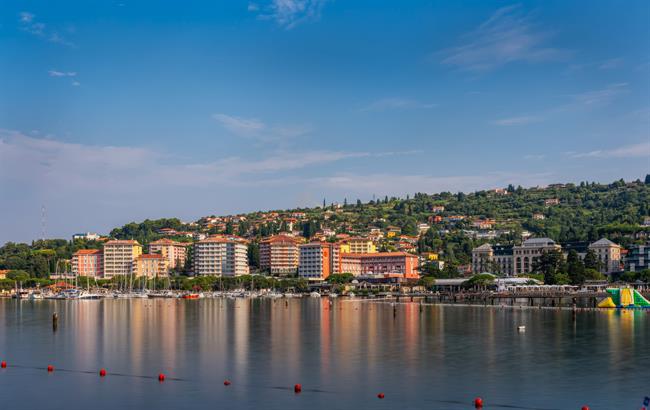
254	254
647	179
340	278
591	260
549	264
18	275
428	282
575	268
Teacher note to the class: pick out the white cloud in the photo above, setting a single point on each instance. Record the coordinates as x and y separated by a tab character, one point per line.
54	73
611	64
508	36
26	17
523	120
640	150
76	83
239	125
395	103
600	97
79	167
290	13
29	25
258	130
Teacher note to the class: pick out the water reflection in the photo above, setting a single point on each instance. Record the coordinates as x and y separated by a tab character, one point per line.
348	349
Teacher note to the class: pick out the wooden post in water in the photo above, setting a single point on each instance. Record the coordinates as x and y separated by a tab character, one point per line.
55	321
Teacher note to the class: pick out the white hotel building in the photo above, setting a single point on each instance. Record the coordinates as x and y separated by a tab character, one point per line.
221	255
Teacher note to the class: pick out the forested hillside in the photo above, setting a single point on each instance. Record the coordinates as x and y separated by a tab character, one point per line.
454	222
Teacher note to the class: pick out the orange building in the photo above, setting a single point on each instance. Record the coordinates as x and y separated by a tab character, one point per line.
319	260
151	265
175	252
279	254
88	262
381	263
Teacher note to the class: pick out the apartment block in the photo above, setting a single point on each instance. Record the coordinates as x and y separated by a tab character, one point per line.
279	255
174	252
88	262
221	255
120	257
319	260
358	245
638	258
387	264
152	265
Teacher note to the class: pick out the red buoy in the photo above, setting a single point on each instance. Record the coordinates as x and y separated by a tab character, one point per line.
585	407
380	395
226	382
297	388
161	377
3	364
478	403
102	372
50	368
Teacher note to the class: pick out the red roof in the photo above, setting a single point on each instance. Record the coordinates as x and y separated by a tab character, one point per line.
88	252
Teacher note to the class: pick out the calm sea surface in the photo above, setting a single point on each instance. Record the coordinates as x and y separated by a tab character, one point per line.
343	355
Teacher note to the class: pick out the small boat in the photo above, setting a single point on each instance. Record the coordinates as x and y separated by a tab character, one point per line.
192	296
35	295
88	296
334	295
521	329
315	294
351	295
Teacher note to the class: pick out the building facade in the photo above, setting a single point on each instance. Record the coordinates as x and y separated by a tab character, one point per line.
88	262
174	252
120	257
279	255
400	264
319	260
609	255
496	259
638	258
526	254
221	255
152	265
358	245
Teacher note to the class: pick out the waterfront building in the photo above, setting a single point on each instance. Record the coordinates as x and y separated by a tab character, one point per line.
526	254
493	258
358	245
609	255
638	258
279	255
319	260
174	252
88	262
120	257
221	255
152	265
389	264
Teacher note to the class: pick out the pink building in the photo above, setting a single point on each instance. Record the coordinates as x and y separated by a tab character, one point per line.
381	263
88	262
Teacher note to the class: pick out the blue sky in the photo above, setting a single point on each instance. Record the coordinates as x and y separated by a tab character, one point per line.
124	110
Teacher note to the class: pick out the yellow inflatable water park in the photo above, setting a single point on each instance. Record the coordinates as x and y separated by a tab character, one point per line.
624	298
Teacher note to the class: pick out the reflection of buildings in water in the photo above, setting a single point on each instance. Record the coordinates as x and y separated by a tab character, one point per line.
241	339
325	336
285	341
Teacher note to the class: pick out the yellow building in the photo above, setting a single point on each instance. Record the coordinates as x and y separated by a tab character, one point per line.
430	256
358	245
151	265
120	257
